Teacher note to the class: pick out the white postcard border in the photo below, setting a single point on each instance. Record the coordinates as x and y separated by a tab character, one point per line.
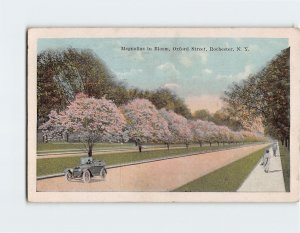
292	34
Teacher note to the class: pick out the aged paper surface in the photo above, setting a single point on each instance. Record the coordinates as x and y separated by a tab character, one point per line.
163	114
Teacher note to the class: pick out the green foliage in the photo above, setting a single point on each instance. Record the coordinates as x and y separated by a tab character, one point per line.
203	115
220	117
224	117
266	95
225	179
61	74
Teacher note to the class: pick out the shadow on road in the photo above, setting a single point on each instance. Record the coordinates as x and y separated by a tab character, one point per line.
275	171
91	181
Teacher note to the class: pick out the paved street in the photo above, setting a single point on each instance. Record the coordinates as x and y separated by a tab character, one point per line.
165	175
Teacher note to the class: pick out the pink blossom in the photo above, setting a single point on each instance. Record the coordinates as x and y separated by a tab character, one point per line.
179	127
92	119
144	123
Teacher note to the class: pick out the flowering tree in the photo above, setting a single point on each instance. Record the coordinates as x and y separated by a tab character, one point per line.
198	130
224	134
53	129
178	126
218	136
210	131
144	122
170	137
93	119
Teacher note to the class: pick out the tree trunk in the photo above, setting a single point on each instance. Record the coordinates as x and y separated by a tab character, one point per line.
90	153
200	143
218	143
140	148
187	145
287	143
210	144
67	137
282	142
168	146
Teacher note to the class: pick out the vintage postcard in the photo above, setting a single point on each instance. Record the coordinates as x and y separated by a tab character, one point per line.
163	114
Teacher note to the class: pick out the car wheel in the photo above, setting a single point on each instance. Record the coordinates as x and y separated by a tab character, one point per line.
86	176
103	173
68	176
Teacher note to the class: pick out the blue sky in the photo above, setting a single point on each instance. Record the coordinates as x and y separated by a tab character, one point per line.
200	78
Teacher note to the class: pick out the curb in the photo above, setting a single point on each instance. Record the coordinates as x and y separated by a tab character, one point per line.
50	176
149	160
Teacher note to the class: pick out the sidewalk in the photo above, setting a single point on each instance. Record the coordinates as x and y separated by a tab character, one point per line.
259	181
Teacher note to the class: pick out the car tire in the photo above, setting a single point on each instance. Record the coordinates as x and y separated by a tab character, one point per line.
86	176
103	173
68	176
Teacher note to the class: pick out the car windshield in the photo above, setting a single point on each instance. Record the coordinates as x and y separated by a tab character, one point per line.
86	160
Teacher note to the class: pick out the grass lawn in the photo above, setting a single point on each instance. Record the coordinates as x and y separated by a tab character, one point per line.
57	165
62	146
225	179
285	162
69	146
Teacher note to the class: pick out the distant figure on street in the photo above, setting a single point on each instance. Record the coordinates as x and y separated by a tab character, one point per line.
274	147
266	161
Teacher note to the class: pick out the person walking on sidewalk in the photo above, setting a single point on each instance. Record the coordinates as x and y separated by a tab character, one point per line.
266	161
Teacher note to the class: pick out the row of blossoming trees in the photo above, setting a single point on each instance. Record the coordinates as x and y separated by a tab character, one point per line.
100	120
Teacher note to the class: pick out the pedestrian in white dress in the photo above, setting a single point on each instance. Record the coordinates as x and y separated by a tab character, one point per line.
266	161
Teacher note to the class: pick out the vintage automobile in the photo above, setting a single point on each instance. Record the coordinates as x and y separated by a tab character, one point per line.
88	168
